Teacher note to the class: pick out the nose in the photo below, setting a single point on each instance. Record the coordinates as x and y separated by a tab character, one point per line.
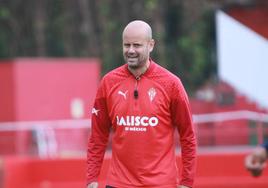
131	49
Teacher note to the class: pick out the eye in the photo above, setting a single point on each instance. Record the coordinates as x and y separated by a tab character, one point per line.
137	45
126	45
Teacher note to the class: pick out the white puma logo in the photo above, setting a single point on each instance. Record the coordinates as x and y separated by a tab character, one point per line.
95	111
123	94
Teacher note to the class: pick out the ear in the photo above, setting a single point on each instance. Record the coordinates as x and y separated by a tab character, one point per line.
151	45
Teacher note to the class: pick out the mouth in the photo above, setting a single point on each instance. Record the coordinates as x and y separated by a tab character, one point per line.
132	59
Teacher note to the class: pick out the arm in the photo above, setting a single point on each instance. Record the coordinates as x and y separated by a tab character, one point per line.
182	118
100	129
256	161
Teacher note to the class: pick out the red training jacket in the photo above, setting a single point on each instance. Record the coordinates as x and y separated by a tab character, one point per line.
143	113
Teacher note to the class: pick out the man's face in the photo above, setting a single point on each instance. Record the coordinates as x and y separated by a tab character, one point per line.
136	49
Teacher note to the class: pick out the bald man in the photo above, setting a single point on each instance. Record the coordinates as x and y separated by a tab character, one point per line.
142	104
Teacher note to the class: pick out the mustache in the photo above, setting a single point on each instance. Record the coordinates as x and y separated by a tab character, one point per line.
132	56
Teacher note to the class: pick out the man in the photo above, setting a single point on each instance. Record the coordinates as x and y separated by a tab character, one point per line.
256	161
143	104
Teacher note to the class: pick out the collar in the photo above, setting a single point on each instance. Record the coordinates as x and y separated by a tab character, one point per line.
147	72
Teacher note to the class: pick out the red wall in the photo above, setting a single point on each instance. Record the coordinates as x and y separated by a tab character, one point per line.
42	89
215	170
7	101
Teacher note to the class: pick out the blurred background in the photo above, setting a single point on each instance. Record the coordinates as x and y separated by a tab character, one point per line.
53	54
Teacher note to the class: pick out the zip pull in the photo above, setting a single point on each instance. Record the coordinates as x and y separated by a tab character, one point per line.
138	78
136	93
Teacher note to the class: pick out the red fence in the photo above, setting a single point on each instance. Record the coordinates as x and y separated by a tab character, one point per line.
213	171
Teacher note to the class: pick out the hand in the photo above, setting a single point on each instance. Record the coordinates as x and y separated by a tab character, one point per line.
183	186
256	161
93	185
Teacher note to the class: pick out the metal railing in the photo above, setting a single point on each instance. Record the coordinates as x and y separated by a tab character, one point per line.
69	137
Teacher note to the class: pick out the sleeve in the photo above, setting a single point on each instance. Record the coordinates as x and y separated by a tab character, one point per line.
182	119
100	128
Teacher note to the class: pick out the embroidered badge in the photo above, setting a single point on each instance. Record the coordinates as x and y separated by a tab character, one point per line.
151	94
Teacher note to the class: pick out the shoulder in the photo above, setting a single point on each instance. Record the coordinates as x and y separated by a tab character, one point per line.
166	77
169	81
115	75
111	79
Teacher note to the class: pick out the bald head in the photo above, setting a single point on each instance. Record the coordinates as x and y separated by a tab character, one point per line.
137	46
139	28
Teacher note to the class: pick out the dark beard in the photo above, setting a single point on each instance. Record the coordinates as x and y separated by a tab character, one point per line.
137	65
134	66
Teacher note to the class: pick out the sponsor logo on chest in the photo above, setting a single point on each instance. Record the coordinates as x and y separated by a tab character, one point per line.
135	123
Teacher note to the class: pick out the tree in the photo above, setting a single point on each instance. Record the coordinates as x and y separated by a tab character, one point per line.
183	30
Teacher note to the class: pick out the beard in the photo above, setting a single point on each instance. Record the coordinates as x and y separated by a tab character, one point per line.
135	62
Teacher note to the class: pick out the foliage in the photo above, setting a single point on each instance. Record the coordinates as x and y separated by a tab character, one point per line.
92	28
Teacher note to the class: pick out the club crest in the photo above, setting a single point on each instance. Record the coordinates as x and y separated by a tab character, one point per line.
151	93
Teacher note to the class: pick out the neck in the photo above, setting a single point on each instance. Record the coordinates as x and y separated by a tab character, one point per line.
137	72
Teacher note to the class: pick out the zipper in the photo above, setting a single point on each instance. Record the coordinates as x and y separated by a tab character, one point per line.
136	107
136	92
